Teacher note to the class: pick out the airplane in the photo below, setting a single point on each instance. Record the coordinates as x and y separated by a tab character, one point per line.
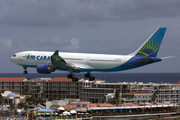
47	62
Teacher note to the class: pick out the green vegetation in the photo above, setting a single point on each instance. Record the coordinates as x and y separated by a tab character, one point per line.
117	98
20	105
51	98
26	90
43	95
153	97
1	98
38	89
12	106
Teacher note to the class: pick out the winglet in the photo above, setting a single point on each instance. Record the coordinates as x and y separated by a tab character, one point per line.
56	52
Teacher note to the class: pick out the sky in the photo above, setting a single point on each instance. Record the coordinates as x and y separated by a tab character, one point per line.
89	26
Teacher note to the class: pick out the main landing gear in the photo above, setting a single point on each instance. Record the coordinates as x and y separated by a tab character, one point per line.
88	75
71	76
75	79
25	71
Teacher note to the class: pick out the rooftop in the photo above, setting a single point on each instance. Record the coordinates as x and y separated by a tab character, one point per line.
36	79
12	78
69	107
128	104
139	92
82	102
176	83
62	79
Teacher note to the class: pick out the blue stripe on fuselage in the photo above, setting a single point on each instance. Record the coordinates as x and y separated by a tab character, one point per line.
130	64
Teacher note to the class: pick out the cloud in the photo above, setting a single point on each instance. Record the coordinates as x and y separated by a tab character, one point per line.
51	44
36	13
74	44
6	43
64	13
121	10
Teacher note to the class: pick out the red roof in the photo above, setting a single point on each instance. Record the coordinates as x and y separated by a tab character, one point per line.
176	83
105	105
62	79
37	79
12	79
100	105
91	105
139	92
128	104
82	102
142	104
69	107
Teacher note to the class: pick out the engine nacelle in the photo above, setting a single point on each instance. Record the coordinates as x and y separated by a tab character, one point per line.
44	69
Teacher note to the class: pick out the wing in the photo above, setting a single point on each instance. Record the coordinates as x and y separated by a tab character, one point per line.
58	62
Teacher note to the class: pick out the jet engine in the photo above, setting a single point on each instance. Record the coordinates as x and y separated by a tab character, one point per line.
44	69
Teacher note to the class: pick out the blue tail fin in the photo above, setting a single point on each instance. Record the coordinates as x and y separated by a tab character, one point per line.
151	46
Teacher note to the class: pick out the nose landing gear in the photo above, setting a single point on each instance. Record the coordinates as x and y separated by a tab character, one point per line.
25	71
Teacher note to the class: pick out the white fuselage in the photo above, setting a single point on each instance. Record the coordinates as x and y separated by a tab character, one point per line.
87	62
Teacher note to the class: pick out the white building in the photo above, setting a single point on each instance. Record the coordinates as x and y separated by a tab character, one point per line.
9	97
138	97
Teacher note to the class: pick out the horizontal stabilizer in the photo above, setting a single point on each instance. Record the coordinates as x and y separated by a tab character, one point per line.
167	57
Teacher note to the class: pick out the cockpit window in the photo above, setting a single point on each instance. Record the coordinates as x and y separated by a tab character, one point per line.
14	55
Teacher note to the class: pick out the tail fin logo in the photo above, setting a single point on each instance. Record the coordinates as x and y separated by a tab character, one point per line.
149	48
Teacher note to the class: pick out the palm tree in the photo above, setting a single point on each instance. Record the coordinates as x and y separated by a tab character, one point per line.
122	101
38	89
20	105
116	98
30	99
26	107
12	106
43	94
153	97
26	90
1	98
51	98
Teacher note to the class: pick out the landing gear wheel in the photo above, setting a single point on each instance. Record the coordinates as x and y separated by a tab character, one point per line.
75	79
92	78
25	72
70	76
86	75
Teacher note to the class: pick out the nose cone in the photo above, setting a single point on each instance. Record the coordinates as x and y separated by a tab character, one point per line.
13	59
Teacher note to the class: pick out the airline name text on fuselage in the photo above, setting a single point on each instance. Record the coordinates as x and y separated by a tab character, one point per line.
33	57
